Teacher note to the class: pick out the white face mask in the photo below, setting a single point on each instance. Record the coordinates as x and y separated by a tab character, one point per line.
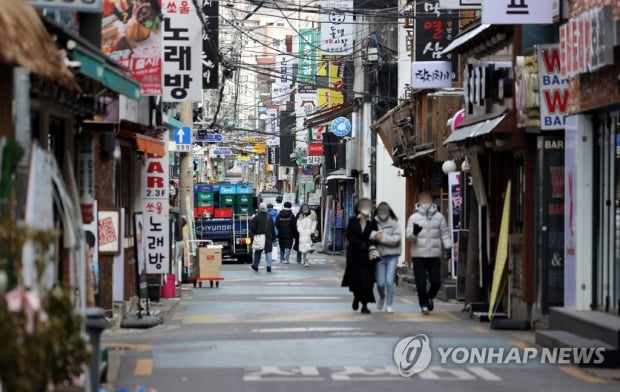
383	216
425	206
365	211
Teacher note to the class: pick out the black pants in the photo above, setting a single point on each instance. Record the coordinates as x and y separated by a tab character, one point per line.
427	268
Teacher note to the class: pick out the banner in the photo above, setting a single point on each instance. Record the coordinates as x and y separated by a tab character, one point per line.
456	201
434	31
86	178
307	56
182	40
155	206
431	74
502	253
131	35
210	44
336	28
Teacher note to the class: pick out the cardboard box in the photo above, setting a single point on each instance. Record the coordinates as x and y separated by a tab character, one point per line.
209	262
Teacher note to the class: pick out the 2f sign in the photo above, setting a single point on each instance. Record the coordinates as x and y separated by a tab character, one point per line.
517	12
554	95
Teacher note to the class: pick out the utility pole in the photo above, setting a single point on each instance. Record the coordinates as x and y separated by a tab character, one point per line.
186	183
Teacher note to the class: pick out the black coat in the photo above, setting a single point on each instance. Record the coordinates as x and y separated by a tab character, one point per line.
359	275
263	224
286	223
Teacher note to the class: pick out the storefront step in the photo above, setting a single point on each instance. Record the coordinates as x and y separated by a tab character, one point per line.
589	324
564	339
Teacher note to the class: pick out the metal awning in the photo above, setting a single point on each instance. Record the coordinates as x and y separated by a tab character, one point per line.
474	130
326	115
419	154
464	37
93	63
339	177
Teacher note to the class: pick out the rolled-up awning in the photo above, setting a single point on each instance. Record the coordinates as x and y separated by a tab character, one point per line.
464	38
419	154
476	129
150	145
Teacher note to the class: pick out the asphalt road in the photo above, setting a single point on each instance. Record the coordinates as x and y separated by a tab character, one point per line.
294	330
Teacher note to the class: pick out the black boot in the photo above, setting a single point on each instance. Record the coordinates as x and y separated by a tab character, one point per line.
365	309
356	304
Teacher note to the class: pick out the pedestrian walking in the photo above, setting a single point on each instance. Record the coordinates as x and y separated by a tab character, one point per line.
274	214
430	236
359	274
306	226
389	240
286	228
263	235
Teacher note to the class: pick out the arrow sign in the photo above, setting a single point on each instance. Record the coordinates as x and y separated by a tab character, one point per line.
209	137
183	136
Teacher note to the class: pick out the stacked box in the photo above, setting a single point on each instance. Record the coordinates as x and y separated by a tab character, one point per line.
227	200
204	199
244	209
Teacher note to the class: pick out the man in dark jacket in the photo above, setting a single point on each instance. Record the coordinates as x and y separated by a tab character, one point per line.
262	225
286	227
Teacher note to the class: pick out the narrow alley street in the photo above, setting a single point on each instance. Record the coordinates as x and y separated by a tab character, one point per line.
294	330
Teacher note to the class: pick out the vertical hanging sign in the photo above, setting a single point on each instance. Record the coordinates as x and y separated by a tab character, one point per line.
86	179
307	56
155	206
336	28
182	37
210	44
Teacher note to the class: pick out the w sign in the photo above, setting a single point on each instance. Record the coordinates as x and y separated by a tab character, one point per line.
554	95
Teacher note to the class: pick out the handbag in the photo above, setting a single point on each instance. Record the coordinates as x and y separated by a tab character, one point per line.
260	240
373	254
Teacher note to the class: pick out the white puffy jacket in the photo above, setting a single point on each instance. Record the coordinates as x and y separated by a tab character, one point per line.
435	236
306	226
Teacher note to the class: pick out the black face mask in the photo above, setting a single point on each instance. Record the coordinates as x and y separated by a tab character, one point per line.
306	213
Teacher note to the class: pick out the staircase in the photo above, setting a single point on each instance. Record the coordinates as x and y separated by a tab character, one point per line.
576	329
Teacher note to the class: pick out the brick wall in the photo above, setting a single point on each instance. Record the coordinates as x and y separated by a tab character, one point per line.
598	89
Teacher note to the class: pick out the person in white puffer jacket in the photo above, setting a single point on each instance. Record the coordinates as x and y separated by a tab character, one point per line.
430	235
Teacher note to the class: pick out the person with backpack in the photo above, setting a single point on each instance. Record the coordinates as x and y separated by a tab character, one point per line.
286	229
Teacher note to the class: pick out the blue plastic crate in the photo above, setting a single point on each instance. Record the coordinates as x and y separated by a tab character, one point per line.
244	189
227	189
203	188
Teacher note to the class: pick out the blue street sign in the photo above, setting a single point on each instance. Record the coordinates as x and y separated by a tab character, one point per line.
209	137
183	136
222	151
341	126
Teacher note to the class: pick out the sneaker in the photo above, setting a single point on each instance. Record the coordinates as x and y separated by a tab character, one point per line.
380	304
431	305
365	310
286	262
268	269
389	310
306	264
424	310
254	268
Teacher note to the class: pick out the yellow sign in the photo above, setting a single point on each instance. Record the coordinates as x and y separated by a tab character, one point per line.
253	139
502	252
259	149
243	158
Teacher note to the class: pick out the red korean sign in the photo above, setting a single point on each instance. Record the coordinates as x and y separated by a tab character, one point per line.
131	35
315	149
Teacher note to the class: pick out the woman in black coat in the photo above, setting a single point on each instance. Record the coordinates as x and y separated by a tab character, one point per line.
359	275
286	225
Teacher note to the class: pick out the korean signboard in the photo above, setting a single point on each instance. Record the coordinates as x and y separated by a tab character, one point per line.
517	11
155	204
460	4
69	5
553	88
315	149
336	28
273	156
314	160
210	44
434	30
431	74
305	104
284	69
280	93
307	56
131	35
182	41
587	41
86	179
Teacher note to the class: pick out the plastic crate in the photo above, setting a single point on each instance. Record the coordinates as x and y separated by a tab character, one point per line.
228	189
227	200
199	211
244	199
223	212
204	204
207	198
244	209
244	190
203	188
